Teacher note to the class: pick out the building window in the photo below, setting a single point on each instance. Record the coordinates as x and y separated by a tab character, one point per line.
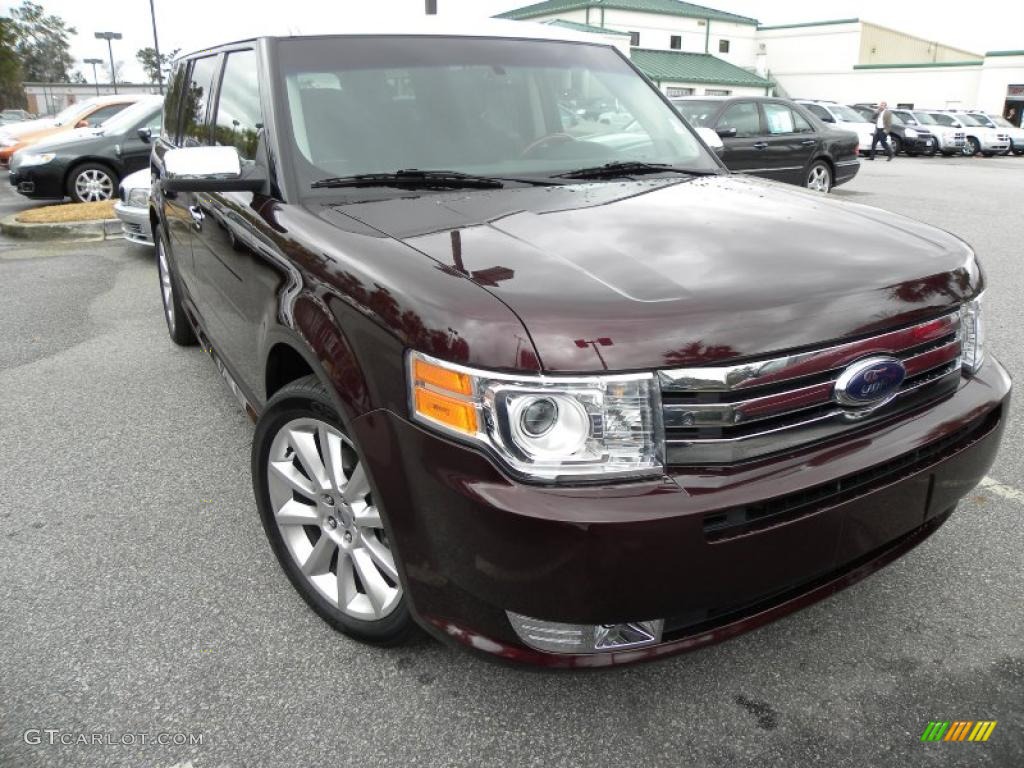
723	46
634	39
674	92
675	42
717	92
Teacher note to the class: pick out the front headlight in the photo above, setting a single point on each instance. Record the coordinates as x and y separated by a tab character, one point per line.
910	133
973	325
138	197
544	428
31	158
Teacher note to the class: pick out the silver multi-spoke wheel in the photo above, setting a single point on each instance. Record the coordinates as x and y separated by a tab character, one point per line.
819	179
92	185
324	510
166	287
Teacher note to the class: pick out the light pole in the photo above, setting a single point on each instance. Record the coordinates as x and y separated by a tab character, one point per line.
95	77
108	36
156	49
431	7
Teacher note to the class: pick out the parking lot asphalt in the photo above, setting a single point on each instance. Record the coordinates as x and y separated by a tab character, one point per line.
139	596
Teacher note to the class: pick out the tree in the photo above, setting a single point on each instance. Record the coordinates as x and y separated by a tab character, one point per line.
147	58
78	78
42	44
12	95
116	75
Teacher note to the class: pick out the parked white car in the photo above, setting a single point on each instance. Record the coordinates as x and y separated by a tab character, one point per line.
842	116
1000	123
981	138
133	207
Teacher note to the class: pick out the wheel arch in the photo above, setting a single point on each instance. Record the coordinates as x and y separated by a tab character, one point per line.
315	345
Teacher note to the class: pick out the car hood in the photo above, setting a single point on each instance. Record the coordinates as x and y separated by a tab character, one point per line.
665	272
61	141
25	127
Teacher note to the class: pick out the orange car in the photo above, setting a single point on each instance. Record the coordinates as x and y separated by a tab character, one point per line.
83	114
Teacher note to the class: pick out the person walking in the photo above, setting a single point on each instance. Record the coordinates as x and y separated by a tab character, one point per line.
883	124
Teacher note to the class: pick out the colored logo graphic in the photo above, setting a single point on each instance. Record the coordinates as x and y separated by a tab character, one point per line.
958	730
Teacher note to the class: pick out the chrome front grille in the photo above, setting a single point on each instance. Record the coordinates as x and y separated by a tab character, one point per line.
1003	138
727	414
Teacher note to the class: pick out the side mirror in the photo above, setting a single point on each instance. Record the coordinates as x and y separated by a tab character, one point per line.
145	135
710	138
209	169
827	119
83	123
726	133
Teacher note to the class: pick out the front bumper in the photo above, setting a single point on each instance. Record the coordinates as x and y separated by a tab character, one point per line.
473	544
920	144
38	182
135	223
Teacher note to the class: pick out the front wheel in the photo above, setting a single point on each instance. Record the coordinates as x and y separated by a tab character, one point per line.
819	177
321	517
897	144
972	146
91	183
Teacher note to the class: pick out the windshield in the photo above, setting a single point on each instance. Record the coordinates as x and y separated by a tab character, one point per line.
502	108
697	112
66	114
924	118
943	119
970	120
845	114
130	116
1002	122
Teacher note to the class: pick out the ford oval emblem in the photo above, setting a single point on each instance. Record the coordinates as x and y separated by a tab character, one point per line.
871	382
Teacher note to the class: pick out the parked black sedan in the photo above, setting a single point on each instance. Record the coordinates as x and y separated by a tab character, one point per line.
776	139
87	163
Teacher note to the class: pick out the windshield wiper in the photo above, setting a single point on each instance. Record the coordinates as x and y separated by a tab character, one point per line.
413	178
629	168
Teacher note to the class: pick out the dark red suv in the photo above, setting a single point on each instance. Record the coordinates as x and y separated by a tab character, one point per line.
560	389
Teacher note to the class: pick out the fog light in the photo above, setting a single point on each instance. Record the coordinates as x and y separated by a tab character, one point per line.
556	637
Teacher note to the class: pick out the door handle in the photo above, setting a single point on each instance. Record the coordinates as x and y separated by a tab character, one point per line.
197	216
760	145
808	142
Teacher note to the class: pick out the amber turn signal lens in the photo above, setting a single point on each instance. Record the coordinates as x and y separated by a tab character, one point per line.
453	413
442	378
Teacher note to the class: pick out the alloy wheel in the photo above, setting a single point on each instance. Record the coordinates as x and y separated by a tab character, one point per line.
819	179
323	506
166	286
93	185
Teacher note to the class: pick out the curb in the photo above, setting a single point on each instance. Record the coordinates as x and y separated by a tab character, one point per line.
104	229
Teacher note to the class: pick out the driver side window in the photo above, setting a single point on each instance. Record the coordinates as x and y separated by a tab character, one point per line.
744	117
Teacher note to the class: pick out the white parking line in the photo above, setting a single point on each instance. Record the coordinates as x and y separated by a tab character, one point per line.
1006	491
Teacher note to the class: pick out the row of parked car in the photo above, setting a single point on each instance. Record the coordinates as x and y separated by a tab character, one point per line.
927	131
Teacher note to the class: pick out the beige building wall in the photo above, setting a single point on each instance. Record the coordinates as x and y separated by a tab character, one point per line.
881	45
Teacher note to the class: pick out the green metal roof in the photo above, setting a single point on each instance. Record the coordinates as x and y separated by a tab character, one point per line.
664	7
677	66
584	27
1005	53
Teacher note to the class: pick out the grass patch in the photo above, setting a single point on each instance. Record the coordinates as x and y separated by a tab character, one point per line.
65	214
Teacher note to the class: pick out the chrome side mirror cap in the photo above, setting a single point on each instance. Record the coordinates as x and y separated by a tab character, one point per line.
209	169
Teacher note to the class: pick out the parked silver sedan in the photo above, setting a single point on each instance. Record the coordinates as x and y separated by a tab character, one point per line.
133	207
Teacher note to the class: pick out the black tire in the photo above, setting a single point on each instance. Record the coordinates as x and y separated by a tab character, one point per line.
178	326
972	147
896	143
86	172
307	398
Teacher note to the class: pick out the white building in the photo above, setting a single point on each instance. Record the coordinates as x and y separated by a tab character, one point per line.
691	49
